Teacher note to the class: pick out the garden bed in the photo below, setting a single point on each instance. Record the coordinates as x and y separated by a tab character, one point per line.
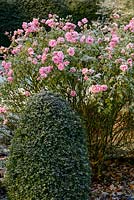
116	182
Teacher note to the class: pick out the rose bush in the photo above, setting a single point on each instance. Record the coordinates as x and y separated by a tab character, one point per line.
90	66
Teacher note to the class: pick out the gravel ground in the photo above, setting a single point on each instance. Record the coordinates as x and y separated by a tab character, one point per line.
116	182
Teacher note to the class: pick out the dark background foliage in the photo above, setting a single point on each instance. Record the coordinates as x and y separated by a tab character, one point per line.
14	12
10	19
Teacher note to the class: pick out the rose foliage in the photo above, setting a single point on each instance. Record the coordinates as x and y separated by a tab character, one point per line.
92	67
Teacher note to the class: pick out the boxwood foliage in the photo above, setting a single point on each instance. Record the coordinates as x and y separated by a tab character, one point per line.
40	9
77	8
48	155
83	8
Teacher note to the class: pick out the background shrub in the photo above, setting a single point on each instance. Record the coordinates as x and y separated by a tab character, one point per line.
86	8
41	9
48	158
10	19
79	9
14	12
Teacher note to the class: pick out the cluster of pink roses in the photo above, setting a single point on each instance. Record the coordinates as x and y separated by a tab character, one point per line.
16	50
7	70
58	59
98	88
60	51
130	26
30	27
43	71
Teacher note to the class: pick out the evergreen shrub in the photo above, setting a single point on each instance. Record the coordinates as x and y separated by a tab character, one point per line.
48	155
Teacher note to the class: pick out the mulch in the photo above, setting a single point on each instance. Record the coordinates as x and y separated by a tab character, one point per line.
116	182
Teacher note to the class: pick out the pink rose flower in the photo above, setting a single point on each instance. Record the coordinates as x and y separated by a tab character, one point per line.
39	57
10	72
10	79
43	21
72	36
98	88
130	62
50	15
130	26
103	87
79	23
60	40
72	69
30	51
69	26
66	63
34	61
119	60
15	51
124	68
95	89
50	23
73	93
84	71
130	45
52	43
89	40
24	25
84	20
58	57
82	39
43	71
35	22
71	51
44	57
3	109
86	78
61	66
6	65
114	41
46	50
